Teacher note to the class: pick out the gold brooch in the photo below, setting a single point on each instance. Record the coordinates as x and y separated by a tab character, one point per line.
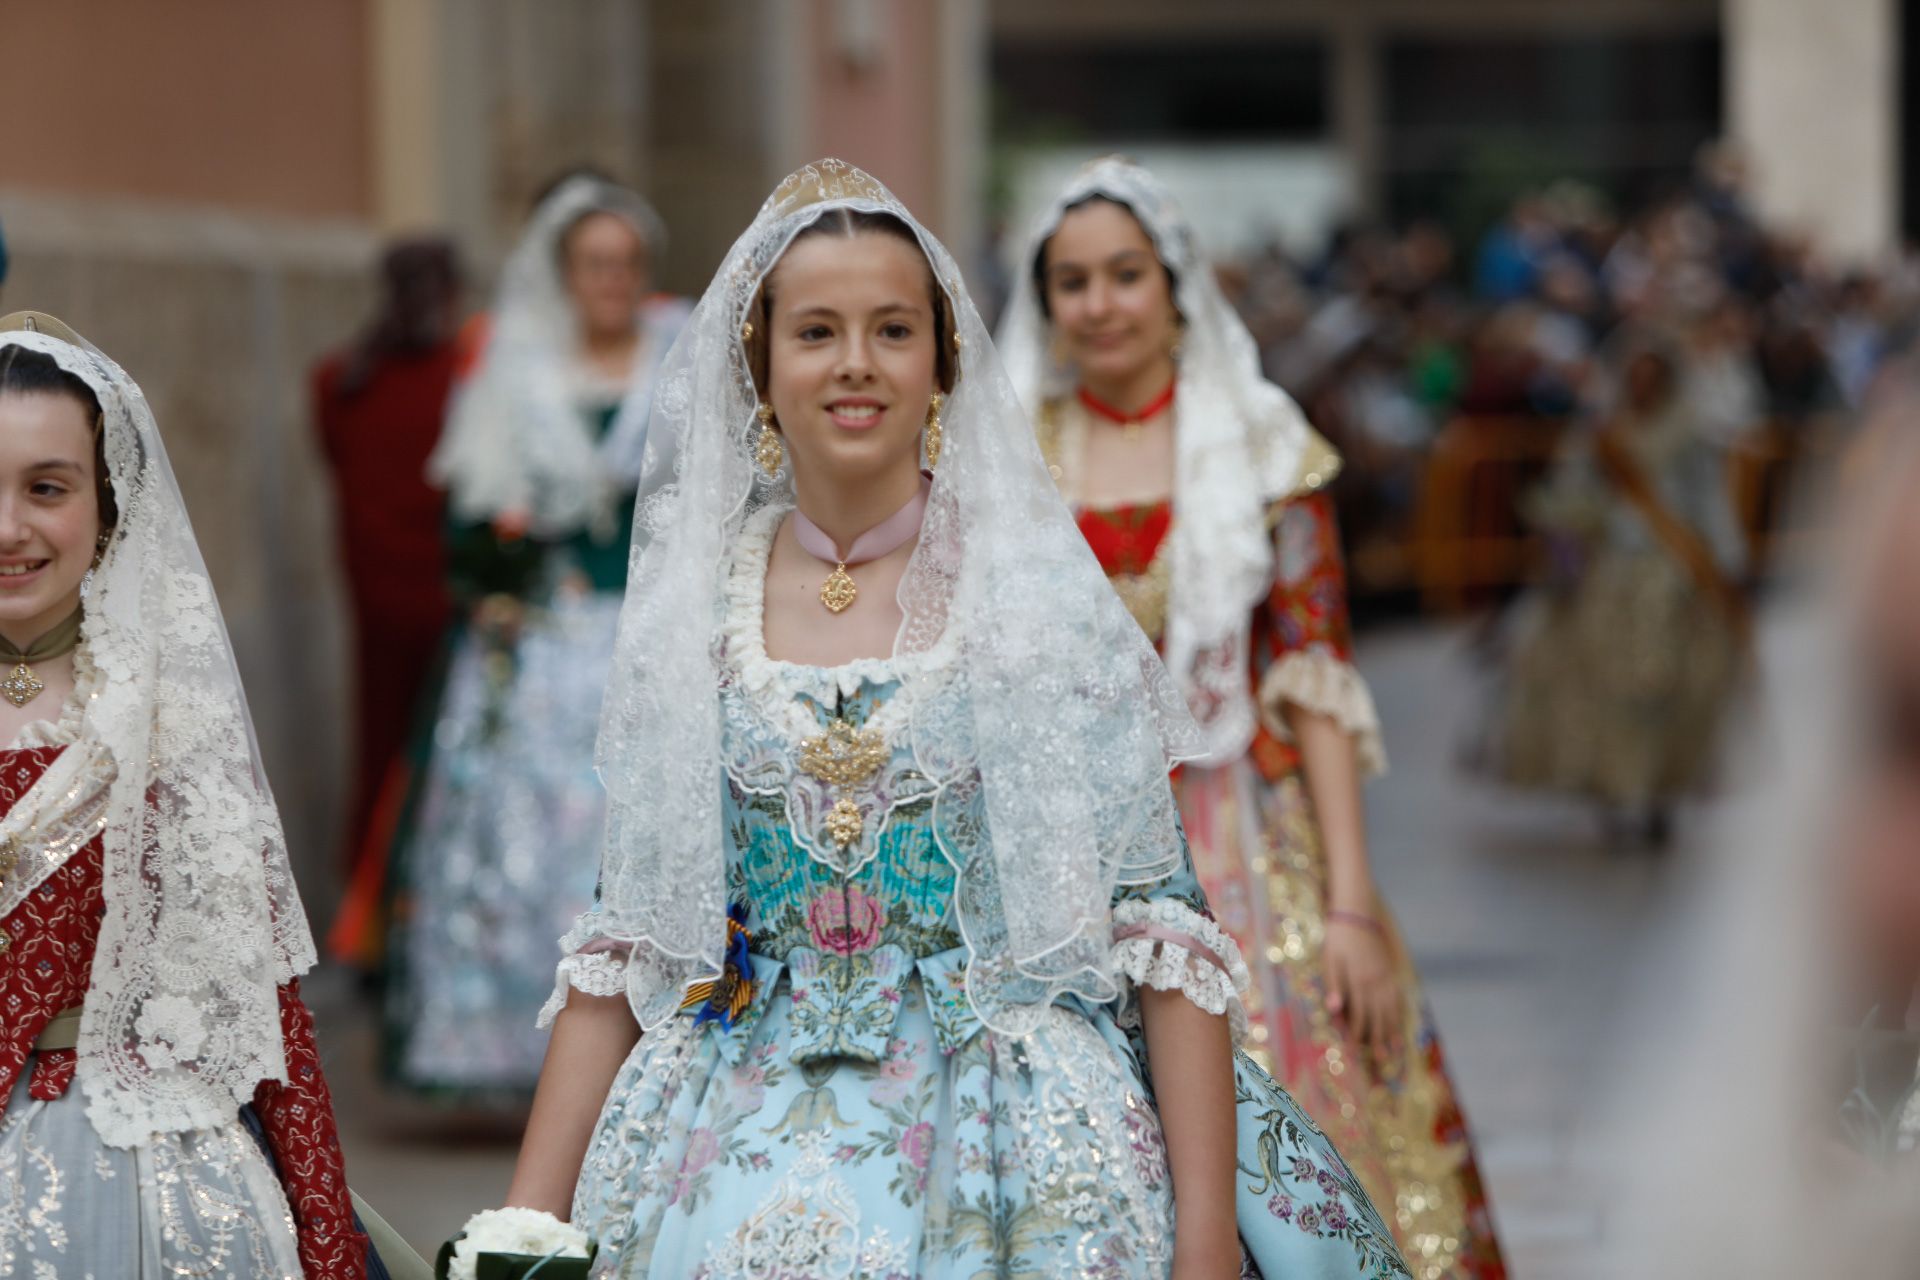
844	756
22	686
841	757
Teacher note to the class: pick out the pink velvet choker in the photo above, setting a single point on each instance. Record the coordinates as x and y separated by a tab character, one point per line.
839	591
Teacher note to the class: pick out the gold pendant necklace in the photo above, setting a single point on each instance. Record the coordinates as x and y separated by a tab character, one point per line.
839	591
21	685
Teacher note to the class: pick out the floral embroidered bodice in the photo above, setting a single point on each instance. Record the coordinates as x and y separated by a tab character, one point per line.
849	937
834	863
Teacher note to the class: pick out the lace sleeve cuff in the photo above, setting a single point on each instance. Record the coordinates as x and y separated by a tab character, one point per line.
1319	681
598	968
1171	947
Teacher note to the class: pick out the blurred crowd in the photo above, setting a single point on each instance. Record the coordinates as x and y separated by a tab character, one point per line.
1389	338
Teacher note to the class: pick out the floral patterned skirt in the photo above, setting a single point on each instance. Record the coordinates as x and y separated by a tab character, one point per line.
1257	852
1618	689
203	1204
501	851
1034	1155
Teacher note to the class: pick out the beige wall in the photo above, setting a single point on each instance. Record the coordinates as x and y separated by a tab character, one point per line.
874	83
236	103
218	317
208	213
193	195
1813	94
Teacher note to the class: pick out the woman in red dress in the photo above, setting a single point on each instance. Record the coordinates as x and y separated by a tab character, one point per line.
1201	489
164	1109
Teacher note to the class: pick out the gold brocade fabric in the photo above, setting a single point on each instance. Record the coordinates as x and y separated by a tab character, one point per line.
1256	849
1399	1126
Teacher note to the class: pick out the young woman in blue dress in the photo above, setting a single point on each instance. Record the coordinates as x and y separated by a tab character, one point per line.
897	933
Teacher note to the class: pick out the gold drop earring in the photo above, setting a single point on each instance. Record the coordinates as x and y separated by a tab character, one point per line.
933	430
768	451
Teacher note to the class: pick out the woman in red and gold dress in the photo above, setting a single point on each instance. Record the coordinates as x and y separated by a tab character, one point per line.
164	1109
1200	487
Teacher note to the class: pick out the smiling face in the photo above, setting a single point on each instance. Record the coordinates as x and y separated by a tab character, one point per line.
49	509
605	268
1108	295
851	354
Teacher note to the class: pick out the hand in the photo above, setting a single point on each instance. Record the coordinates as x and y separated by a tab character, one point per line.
1363	989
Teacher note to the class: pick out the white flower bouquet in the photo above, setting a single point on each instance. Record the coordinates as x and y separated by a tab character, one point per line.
513	1244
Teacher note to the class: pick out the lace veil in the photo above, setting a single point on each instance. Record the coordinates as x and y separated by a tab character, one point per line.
515	436
203	922
1048	734
1239	447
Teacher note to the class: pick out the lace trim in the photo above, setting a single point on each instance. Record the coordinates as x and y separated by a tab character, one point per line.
594	973
778	685
1318	681
1171	947
64	728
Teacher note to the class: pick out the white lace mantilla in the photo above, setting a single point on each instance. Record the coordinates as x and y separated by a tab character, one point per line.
1045	742
1240	442
1319	681
517	438
202	921
1175	948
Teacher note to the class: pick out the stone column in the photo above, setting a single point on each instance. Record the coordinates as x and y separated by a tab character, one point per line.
1356	106
1812	94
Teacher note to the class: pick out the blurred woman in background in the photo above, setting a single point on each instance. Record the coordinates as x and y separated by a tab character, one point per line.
1625	660
1778	1038
379	405
497	845
1201	489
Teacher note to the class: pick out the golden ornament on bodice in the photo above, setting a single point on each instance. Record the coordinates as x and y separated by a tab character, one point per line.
844	756
844	823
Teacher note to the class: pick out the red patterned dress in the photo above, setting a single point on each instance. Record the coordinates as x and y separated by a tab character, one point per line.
1256	848
209	1203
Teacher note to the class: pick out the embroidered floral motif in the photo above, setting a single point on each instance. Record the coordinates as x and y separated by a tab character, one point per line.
846	923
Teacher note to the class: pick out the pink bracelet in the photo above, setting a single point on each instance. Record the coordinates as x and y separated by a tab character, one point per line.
1357	920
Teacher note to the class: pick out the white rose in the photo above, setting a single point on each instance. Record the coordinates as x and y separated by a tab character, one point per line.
527	1231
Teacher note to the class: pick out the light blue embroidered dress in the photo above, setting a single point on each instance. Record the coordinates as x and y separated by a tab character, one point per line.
857	1120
